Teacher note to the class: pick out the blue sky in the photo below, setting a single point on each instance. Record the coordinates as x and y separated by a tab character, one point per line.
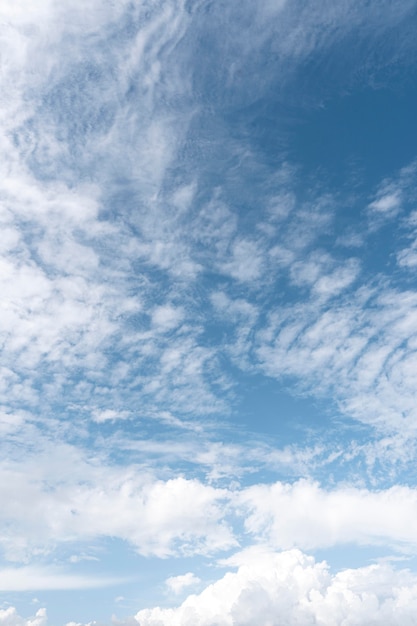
208	313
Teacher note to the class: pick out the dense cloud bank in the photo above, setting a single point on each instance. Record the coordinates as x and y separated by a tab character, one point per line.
272	589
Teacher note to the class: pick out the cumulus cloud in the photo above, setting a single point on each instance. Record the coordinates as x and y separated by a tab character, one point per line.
274	588
178	516
290	587
10	617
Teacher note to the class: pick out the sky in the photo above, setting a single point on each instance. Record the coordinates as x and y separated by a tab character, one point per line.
208	313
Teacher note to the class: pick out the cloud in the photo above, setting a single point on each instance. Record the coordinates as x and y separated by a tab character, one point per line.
323	275
178	516
246	261
393	196
65	500
109	415
33	578
178	583
388	204
307	516
292	588
77	558
358	352
338	280
167	317
10	617
407	257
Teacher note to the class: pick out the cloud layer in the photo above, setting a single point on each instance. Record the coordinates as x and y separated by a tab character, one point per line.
188	517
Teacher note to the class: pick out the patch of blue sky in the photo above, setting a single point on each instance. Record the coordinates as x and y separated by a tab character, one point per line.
135	581
341	138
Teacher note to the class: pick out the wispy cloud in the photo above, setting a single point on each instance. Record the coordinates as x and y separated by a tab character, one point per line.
32	578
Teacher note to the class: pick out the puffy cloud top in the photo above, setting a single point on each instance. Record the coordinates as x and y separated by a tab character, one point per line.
272	589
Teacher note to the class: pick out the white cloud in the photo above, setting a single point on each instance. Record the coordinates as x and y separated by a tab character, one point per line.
292	588
78	558
338	280
408	257
109	415
167	317
281	205
10	617
178	583
245	262
239	316
393	196
32	578
58	497
325	277
305	515
289	586
10	422
388	204
76	500
359	352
